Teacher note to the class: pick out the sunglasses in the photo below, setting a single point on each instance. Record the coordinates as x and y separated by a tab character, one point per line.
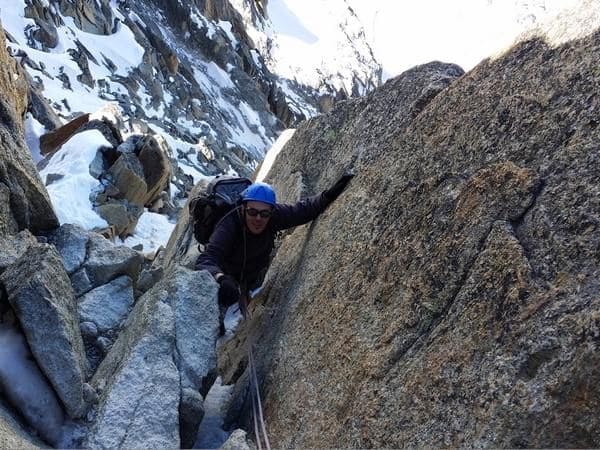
264	213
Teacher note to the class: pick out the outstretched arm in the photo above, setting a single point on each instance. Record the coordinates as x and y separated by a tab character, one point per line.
287	216
299	213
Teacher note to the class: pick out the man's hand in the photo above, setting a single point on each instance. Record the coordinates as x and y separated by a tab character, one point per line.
334	191
229	291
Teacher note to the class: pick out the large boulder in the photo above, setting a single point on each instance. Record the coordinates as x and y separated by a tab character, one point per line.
450	297
24	202
127	174
105	262
152	153
40	293
71	242
136	173
159	365
108	305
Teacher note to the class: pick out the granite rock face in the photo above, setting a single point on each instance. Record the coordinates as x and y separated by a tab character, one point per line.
24	202
151	380
450	296
40	293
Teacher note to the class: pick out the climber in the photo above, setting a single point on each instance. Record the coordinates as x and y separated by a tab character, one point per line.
239	249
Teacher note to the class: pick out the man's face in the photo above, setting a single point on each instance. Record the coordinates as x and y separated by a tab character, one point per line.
257	216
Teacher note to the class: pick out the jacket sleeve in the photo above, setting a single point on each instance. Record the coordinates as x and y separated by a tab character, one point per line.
218	247
307	209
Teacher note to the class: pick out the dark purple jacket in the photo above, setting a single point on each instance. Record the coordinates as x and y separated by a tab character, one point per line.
235	251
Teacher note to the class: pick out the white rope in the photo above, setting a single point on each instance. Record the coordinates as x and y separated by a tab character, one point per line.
257	411
256	395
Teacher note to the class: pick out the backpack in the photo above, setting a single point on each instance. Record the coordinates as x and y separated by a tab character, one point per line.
221	196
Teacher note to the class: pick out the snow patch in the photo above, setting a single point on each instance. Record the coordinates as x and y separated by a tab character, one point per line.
33	131
70	192
273	152
152	231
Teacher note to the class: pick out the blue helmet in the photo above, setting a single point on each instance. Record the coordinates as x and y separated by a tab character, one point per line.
259	192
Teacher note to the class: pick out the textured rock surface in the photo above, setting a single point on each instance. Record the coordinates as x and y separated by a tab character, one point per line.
12	434
128	176
40	293
450	297
152	154
140	393
106	261
13	246
13	84
91	260
24	202
238	441
108	305
71	242
102	314
166	348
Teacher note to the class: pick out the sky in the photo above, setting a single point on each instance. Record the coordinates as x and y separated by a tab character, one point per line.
407	33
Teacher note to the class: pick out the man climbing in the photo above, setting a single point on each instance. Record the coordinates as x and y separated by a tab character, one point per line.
239	249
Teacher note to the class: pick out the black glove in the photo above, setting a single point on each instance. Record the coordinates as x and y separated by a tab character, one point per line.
229	291
334	191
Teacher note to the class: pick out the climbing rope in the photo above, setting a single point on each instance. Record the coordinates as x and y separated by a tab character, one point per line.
260	429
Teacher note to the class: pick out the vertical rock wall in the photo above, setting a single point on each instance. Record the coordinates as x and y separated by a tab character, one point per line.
450	296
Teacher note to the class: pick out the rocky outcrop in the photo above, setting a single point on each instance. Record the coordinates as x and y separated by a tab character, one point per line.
134	174
24	202
463	308
91	16
40	293
155	360
151	382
